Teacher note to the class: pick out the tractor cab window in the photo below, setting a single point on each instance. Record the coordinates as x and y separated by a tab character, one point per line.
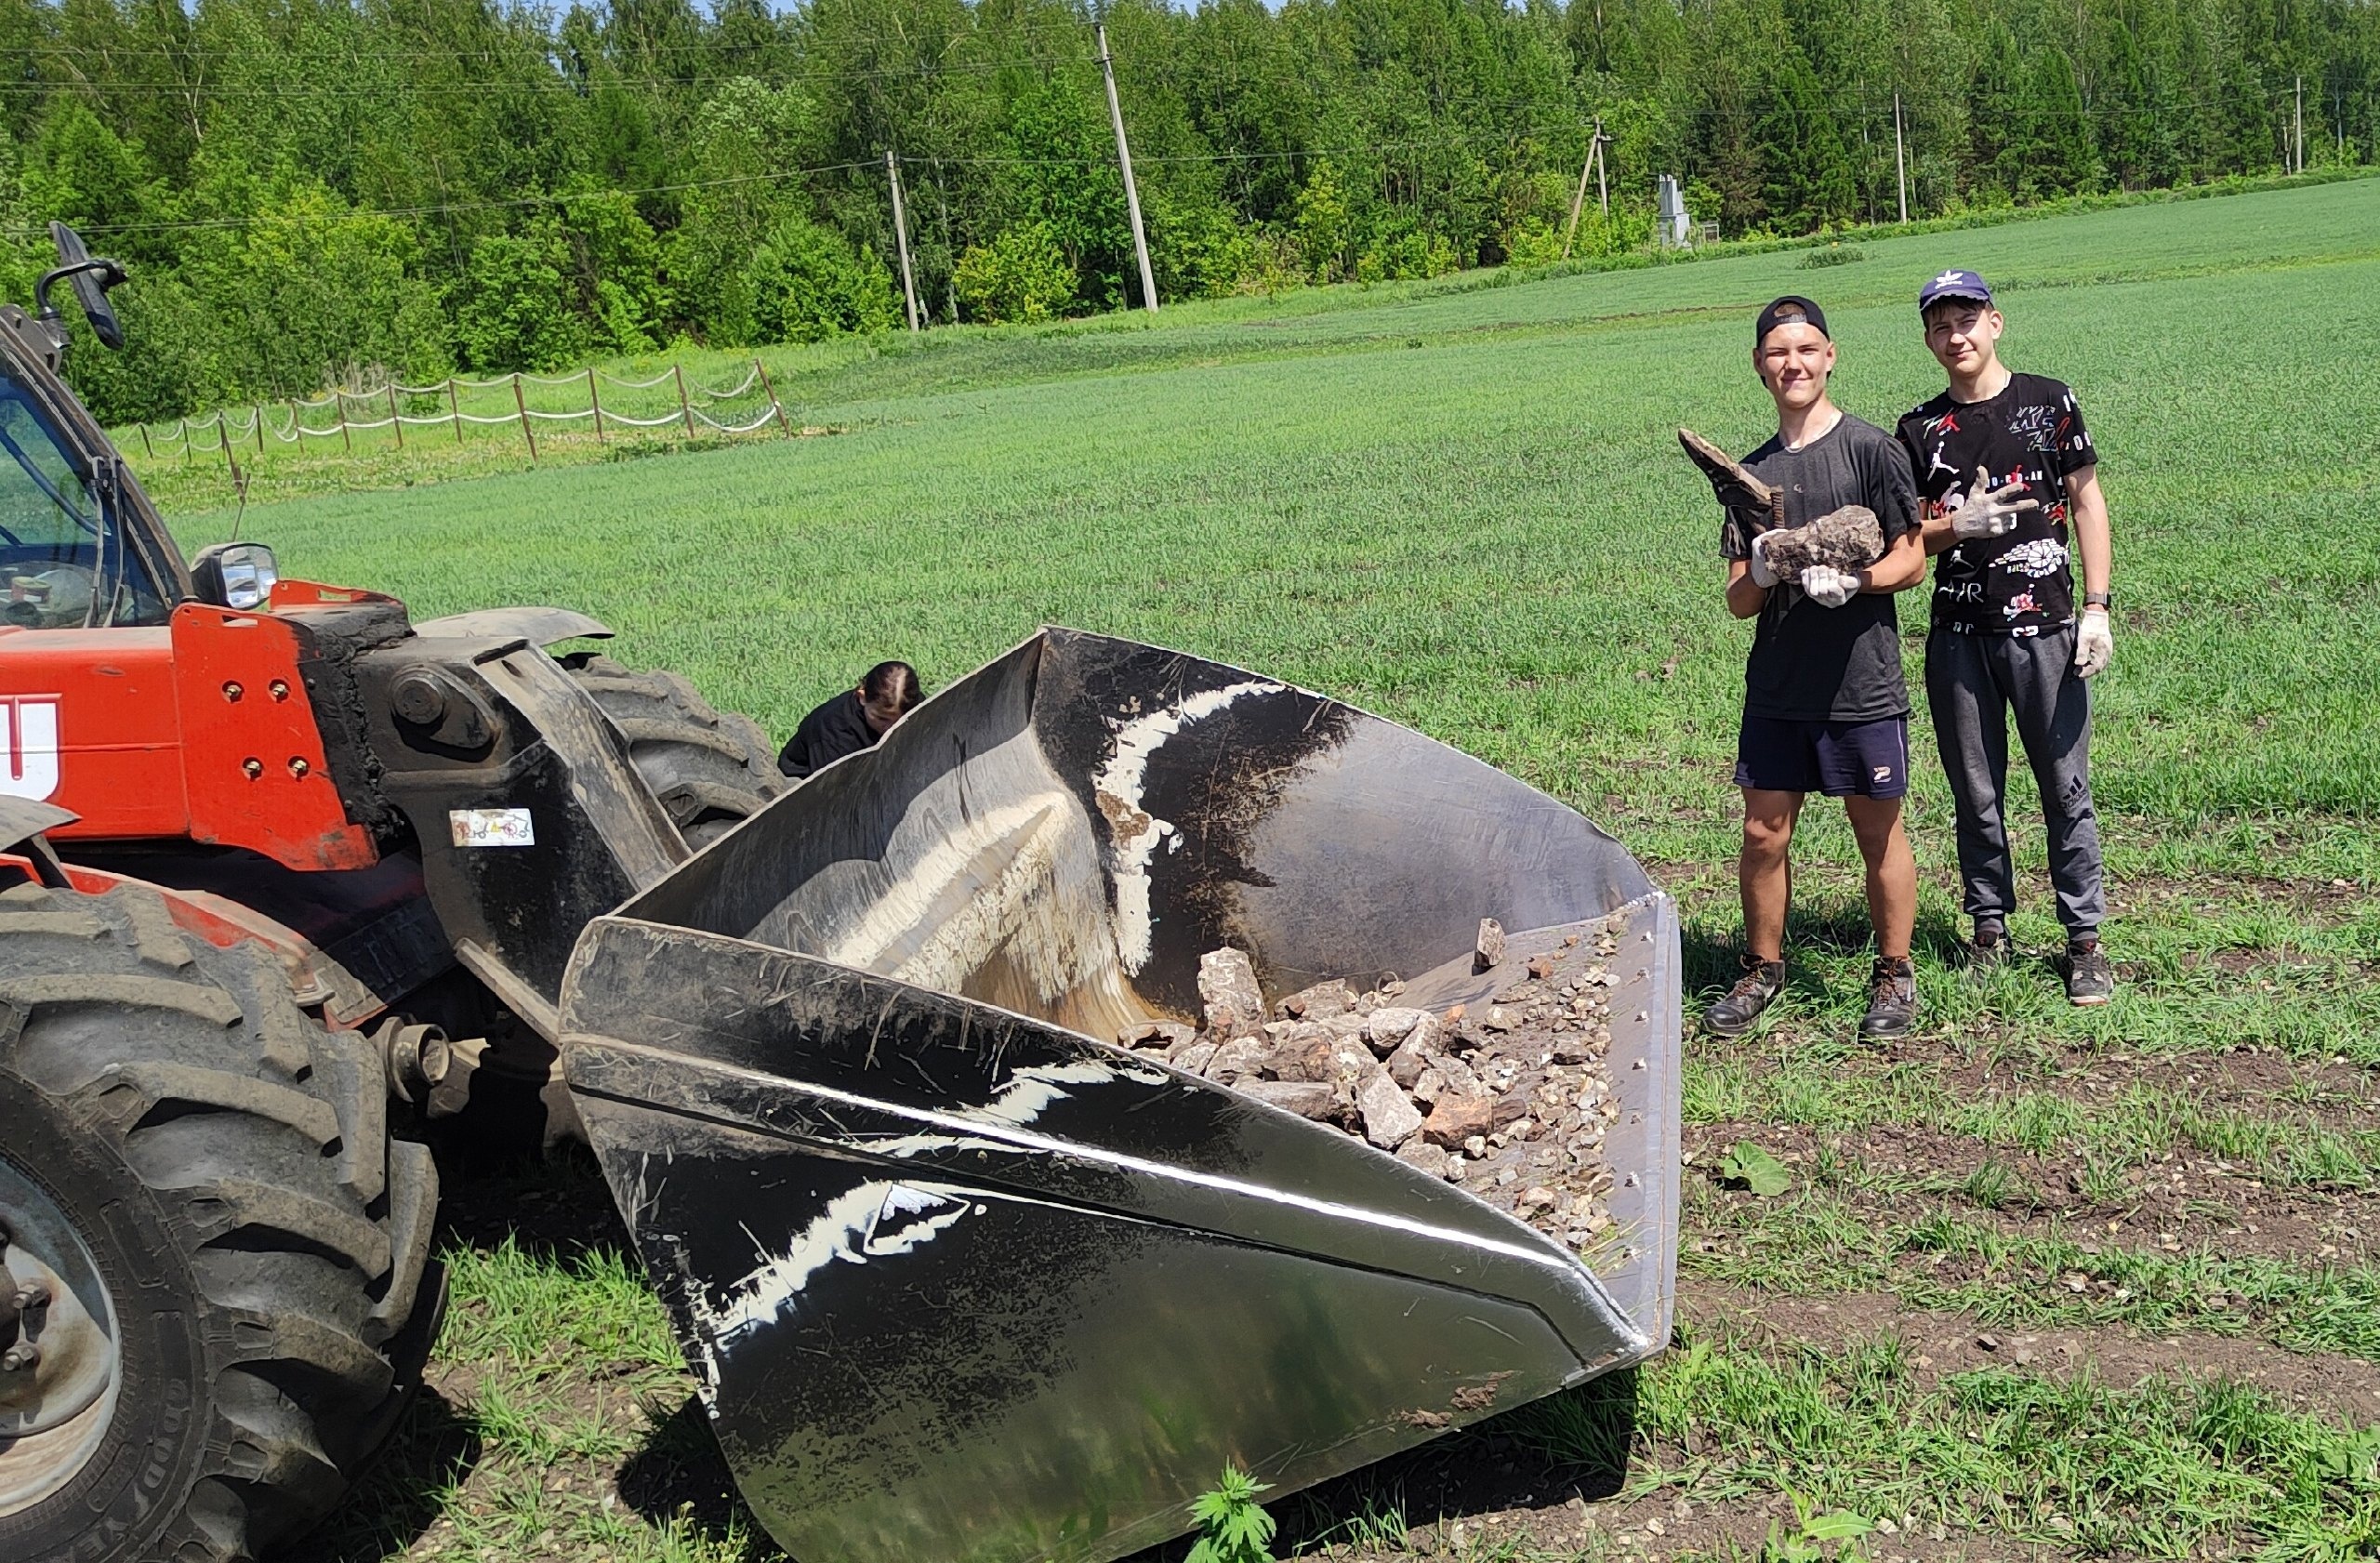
61	548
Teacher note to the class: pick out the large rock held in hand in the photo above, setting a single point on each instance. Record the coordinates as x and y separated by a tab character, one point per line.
1849	538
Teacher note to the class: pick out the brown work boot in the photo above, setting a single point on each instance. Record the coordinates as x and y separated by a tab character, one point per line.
2090	976
1892	998
1733	1014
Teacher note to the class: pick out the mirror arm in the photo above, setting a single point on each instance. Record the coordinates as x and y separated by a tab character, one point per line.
110	274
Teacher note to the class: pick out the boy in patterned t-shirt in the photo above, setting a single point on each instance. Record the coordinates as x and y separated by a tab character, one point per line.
2007	478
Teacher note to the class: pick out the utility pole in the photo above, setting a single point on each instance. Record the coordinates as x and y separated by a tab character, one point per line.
2300	125
1124	157
901	238
1594	164
1579	198
1900	159
1603	170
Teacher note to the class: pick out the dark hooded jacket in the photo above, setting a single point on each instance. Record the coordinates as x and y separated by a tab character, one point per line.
837	728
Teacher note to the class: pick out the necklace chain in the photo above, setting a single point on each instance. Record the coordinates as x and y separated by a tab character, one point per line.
1796	445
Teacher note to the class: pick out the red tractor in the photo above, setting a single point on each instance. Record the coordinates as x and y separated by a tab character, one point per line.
301	885
284	876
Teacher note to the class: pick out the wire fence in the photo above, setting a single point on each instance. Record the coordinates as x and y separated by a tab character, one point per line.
457	405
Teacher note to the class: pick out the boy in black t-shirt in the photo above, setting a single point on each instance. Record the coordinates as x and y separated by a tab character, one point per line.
2009	481
1825	706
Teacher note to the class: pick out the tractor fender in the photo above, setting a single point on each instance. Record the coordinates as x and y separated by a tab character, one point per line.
315	978
542	627
23	818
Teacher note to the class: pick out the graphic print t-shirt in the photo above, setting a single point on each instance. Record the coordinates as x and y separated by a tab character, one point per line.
2032	433
1811	663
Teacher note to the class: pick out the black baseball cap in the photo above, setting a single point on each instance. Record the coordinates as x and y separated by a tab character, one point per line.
1785	312
1953	285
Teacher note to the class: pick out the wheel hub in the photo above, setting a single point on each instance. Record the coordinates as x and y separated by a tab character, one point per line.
59	1365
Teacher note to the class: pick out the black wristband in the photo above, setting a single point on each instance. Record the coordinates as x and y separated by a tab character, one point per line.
2098	600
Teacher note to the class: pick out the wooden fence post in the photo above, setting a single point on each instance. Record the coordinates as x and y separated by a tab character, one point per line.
595	401
396	420
260	428
145	444
526	432
223	439
454	405
185	425
339	399
679	370
782	428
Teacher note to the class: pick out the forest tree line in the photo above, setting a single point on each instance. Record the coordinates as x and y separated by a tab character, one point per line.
312	191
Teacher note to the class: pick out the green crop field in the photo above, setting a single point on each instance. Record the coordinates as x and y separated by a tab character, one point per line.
2045	1281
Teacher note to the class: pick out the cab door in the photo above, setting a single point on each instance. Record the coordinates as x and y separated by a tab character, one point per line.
87	710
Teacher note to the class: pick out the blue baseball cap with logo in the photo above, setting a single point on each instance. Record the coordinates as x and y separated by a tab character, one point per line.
1953	285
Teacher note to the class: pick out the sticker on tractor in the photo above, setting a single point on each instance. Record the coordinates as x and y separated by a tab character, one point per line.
28	734
491	827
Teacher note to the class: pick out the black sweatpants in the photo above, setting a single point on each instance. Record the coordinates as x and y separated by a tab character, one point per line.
1975	683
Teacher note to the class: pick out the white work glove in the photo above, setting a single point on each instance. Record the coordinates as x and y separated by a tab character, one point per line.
1990	512
1761	575
2094	643
1828	586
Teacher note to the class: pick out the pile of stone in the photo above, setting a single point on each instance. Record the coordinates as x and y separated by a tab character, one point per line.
1507	1098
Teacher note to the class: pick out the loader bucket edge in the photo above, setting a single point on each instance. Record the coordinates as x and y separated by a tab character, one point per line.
959	1281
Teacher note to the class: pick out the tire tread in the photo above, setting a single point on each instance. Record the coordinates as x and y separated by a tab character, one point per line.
263	1141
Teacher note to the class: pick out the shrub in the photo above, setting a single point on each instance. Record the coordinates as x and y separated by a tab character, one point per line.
1020	275
808	284
1832	255
513	307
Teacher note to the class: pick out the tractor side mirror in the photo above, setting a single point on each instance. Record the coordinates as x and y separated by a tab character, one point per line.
91	279
235	575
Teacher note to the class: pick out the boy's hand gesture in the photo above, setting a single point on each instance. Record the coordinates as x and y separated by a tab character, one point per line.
1989	512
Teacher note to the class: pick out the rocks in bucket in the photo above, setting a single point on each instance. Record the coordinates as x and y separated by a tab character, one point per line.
1507	1097
1227	986
1487	951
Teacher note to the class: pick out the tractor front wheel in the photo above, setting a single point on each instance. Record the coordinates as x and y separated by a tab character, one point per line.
215	1287
710	768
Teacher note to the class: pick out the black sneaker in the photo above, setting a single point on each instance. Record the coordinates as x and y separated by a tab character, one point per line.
2090	978
1892	999
1989	950
1733	1014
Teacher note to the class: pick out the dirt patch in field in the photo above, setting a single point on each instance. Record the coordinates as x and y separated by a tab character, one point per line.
1897	1176
1942	1344
2248	1077
2321	901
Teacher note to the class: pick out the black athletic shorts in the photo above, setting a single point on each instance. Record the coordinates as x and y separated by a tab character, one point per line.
1839	759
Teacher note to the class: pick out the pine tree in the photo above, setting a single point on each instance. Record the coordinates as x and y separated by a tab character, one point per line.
1810	175
2059	160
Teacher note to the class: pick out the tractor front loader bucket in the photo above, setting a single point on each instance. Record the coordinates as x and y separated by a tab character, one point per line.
962	1280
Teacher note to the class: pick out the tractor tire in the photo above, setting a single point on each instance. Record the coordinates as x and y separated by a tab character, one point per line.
218	1171
711	769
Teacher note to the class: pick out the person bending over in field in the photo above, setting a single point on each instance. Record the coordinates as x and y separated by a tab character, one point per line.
2006	476
851	721
1825	706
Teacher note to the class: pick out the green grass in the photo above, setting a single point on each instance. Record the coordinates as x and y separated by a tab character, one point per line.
1462	507
2168	1469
